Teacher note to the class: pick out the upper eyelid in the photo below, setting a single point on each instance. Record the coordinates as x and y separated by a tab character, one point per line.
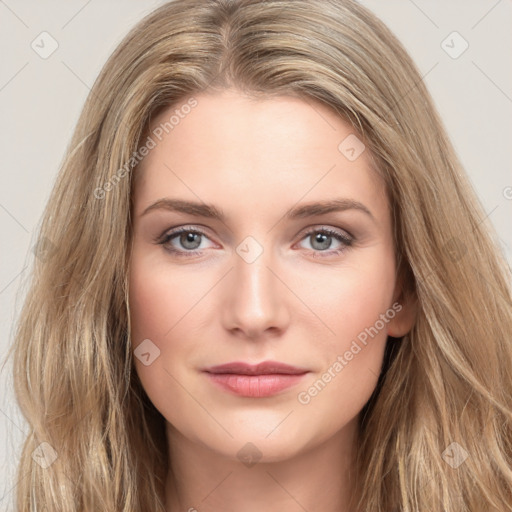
194	227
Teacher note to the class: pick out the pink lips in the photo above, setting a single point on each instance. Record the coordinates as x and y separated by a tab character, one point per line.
257	381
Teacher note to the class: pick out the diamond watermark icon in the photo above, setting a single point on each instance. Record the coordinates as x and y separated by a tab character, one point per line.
44	455
454	455
146	352
455	249
454	45
249	249
249	455
44	45
43	248
351	147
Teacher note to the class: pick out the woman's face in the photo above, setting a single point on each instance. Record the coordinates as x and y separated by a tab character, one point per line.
286	256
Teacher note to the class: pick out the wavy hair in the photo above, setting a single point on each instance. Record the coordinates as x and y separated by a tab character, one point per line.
449	381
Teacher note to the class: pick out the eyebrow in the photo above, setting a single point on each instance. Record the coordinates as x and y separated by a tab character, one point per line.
299	212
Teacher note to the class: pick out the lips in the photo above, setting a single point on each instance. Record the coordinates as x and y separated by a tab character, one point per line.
265	368
255	381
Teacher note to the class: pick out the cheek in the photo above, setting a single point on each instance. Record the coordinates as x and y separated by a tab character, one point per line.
159	302
150	299
361	304
165	308
159	298
357	309
351	300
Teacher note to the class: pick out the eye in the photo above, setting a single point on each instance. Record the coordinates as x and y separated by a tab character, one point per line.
188	241
321	239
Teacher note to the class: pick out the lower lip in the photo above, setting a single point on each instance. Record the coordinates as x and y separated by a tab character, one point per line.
255	386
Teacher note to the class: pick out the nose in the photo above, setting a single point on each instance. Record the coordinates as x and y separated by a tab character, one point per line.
255	298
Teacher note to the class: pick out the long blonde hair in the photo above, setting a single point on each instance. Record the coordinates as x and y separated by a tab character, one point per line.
436	434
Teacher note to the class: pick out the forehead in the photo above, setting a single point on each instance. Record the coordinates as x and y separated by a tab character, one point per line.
244	151
246	126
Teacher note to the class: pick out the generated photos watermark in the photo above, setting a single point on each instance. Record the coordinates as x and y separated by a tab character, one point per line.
304	397
152	140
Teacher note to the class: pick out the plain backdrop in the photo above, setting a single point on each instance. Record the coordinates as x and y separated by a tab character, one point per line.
41	98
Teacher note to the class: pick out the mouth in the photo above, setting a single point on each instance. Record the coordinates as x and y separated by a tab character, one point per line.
255	381
264	368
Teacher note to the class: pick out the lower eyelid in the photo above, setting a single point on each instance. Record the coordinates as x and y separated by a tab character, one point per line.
318	253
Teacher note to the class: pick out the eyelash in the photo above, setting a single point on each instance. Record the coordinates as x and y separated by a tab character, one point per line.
347	241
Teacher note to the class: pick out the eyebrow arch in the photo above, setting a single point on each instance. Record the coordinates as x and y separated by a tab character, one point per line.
323	207
299	212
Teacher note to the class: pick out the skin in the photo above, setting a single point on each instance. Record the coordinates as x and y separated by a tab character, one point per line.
255	160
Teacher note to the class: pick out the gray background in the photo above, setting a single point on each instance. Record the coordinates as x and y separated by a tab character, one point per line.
40	100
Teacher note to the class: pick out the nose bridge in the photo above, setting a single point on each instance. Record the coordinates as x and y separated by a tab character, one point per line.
253	280
256	301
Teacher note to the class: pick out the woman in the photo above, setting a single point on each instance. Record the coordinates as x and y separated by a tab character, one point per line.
263	367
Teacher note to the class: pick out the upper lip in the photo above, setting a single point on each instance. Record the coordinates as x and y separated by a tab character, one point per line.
264	368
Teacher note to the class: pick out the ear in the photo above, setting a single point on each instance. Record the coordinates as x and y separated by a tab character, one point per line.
406	305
